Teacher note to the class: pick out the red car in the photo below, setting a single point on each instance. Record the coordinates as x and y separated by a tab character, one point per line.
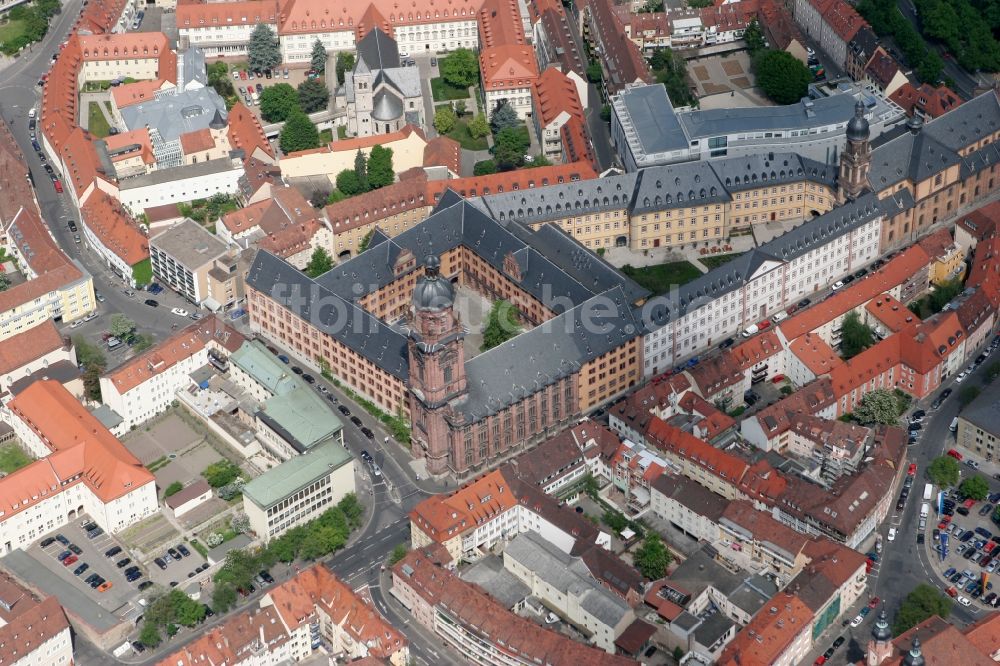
764	325
58	185
873	602
70	560
954	454
820	660
913	469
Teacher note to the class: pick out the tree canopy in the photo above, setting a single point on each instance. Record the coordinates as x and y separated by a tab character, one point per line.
921	603
460	68
501	324
320	262
263	51
444	119
943	471
277	102
652	558
878	406
503	117
855	336
380	168
782	77
349	183
478	127
754	37
975	487
313	96
121	326
509	148
671	71
221	473
345	63
318	57
299	133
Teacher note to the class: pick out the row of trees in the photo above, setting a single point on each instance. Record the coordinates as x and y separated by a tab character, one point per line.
959	25
370	172
944	472
281	100
169	612
308	542
886	19
35	18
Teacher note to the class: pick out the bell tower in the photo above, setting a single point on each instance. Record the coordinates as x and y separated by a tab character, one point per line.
855	160
437	365
880	644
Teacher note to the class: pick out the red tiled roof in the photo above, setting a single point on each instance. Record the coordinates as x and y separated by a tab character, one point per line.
100	17
80	159
128	94
29	624
138	137
311	16
245	132
444	517
80	444
520	179
882	67
210	15
444	151
508	66
663	435
770	633
29	345
407	194
624	62
555	93
113	228
891	313
929	101
843	19
193	142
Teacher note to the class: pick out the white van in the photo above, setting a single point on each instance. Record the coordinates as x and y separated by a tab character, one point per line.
752	330
33	112
779	316
954	425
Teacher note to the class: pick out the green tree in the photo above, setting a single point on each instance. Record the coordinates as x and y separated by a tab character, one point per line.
652	558
381	171
349	183
460	108
150	635
319	198
299	133
320	262
478	127
782	77
221	473
223	597
398	553
754	37
313	96
444	119
671	70
365	240
504	117
121	326
460	68
590	486
501	324
361	170
352	509
594	72
509	147
968	394
263	52
856	336
943	294
878	406
173	489
975	487
615	520
943	471
345	63
930	68
484	168
606	113
278	102
318	57
921	603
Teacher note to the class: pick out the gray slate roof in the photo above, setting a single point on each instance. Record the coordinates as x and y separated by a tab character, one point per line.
193	66
568	575
681	185
968	123
377	51
387	106
704	123
984	412
790	245
499	583
176	114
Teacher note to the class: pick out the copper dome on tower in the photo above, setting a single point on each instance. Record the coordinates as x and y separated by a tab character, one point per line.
432	292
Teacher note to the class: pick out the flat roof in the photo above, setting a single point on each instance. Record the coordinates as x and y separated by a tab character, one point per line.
292	475
189	244
801	115
652	117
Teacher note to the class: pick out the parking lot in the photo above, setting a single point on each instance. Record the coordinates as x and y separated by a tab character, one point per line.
117	591
965	544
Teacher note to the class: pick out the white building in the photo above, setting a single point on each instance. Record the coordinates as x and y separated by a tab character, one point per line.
180	184
298	490
146	385
82	469
733	297
564	583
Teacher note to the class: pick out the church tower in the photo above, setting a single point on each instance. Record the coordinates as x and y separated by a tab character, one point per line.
437	365
880	644
855	159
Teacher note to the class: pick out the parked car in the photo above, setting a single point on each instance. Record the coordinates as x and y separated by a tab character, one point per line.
160	563
80	569
124	562
75	549
111	552
308	379
72	559
152	302
182	549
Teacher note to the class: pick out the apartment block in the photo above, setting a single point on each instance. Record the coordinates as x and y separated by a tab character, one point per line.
184	255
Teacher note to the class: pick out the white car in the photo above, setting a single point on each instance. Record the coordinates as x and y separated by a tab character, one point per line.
180	312
856	622
91	317
962	375
964	601
837	285
892	534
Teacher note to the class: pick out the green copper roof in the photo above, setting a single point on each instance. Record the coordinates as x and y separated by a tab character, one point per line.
292	475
